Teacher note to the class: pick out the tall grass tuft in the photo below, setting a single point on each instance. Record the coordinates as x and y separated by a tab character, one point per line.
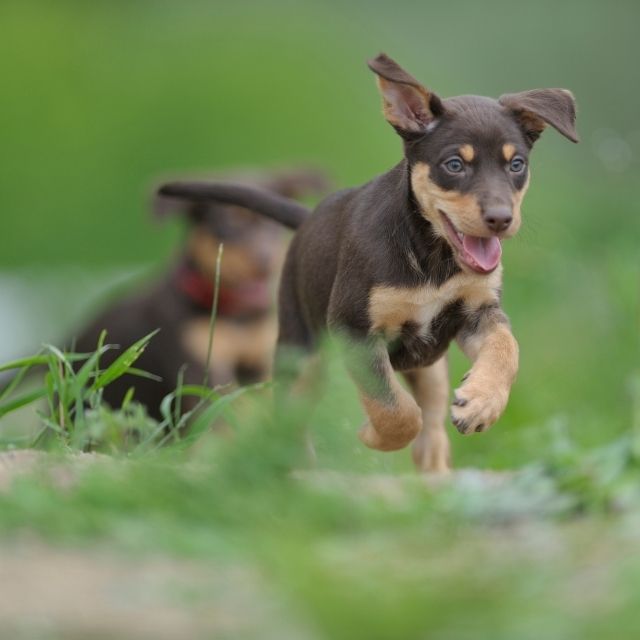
73	416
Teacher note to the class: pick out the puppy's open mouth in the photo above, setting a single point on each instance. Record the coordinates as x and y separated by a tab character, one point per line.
482	255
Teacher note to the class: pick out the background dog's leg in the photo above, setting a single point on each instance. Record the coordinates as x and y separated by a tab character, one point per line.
430	388
394	418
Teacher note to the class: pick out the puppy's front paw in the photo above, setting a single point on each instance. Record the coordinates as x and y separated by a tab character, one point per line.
478	403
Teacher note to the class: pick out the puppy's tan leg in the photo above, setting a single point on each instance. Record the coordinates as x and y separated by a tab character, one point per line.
483	396
394	418
430	387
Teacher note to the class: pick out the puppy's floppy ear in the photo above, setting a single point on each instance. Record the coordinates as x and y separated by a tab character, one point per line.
539	107
407	105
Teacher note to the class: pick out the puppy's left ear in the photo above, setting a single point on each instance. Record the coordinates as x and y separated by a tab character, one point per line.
407	105
539	107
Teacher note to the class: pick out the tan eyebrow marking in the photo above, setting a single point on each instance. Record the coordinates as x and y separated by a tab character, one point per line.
467	152
508	151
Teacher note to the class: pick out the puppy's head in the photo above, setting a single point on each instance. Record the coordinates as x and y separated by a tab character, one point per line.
253	244
468	157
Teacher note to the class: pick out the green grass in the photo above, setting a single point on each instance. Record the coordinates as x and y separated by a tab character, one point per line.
357	548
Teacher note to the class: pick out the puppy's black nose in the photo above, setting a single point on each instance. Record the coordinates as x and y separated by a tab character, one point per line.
497	218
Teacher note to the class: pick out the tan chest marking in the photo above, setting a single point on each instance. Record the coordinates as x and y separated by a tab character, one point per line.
250	344
391	307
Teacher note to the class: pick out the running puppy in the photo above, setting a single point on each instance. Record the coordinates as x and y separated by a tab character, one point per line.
411	261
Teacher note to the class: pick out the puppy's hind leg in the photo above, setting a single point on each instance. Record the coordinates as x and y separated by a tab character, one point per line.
298	370
430	388
299	384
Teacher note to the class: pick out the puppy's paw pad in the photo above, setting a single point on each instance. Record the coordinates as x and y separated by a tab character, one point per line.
476	406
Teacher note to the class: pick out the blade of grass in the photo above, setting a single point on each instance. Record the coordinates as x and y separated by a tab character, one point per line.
128	397
22	401
140	373
25	365
61	357
206	417
15	382
25	362
204	393
38	359
170	423
214	314
90	367
50	385
56	388
177	407
122	363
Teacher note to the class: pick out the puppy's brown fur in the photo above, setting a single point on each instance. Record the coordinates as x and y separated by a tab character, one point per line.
407	263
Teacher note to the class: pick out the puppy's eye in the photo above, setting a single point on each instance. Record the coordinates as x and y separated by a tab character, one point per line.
454	165
517	164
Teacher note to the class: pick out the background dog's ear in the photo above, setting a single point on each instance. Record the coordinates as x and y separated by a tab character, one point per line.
407	105
298	183
539	107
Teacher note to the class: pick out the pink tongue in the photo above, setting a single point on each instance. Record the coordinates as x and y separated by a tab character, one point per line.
485	252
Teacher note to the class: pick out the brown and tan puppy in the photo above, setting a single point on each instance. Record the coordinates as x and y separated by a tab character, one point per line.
411	261
180	302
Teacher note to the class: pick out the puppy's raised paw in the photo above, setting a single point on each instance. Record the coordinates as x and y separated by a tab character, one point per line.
477	404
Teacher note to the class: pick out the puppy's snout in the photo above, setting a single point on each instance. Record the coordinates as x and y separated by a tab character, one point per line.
498	218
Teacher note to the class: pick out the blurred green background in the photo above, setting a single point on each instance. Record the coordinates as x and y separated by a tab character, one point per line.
101	98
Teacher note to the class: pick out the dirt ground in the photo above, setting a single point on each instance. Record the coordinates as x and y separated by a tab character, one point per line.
94	592
65	593
49	592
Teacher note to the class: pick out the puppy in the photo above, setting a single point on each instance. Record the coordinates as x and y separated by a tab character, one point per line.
410	261
179	303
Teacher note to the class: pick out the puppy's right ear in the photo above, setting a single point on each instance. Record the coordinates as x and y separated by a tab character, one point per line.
407	105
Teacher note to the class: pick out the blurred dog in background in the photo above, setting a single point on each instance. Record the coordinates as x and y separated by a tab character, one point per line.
180	302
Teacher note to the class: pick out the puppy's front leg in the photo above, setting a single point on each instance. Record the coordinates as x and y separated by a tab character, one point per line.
394	418
487	340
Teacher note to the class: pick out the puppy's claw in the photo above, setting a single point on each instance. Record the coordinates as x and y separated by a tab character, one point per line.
460	424
477	404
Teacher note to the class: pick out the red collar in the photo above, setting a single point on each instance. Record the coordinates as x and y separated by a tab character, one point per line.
251	298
